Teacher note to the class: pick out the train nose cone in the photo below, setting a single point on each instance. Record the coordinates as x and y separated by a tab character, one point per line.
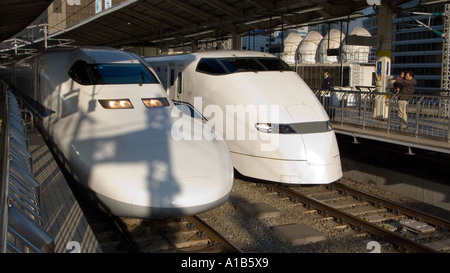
154	176
180	196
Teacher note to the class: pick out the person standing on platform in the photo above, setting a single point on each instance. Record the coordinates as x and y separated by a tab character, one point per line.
327	79
327	85
397	86
406	90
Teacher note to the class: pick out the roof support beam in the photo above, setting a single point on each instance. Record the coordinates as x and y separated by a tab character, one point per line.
170	16
225	8
194	11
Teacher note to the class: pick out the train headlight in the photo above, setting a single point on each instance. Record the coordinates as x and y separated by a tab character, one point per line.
295	128
264	127
275	128
155	102
329	127
116	104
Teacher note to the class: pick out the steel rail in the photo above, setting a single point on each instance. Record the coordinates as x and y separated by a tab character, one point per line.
126	236
395	207
212	234
356	221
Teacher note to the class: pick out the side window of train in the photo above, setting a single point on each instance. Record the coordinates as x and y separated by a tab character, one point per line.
172	77
180	83
188	109
79	72
210	66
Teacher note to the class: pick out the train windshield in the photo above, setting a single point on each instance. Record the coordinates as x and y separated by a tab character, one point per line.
111	73
222	66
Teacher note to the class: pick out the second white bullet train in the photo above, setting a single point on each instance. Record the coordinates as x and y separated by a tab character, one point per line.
110	119
274	126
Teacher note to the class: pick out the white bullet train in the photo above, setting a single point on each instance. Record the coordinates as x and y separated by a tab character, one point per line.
273	124
108	115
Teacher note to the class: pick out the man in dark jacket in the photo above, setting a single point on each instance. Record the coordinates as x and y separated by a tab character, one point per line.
327	80
329	101
406	88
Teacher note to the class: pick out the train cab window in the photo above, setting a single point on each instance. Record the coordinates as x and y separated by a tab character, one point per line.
111	73
242	65
211	66
222	66
273	64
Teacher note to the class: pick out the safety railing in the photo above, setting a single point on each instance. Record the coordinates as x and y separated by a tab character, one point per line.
21	224
427	111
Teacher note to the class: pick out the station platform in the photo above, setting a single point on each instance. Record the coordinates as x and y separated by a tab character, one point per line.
61	214
407	139
375	116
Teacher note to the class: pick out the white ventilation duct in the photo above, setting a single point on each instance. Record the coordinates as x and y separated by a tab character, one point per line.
357	53
308	47
331	41
290	47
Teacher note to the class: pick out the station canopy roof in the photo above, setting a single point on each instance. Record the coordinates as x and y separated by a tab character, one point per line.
16	15
176	22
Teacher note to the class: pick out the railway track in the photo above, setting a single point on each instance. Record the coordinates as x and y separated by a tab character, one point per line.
177	235
133	235
407	229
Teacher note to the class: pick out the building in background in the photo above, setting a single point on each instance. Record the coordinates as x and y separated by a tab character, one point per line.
415	47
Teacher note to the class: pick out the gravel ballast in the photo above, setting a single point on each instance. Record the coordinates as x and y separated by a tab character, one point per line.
255	233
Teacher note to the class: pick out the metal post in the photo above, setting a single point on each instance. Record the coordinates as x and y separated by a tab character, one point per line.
448	131
45	36
445	74
389	114
4	158
417	116
364	112
342	110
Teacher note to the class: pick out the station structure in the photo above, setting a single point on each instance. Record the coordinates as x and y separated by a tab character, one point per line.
151	26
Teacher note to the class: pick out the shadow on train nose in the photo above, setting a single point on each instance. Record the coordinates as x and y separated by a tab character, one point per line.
125	155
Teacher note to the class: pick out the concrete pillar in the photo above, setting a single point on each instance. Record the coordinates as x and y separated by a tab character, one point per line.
194	47
384	50
383	64
237	41
164	48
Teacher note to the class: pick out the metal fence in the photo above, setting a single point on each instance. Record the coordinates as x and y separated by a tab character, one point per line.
427	111
21	224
